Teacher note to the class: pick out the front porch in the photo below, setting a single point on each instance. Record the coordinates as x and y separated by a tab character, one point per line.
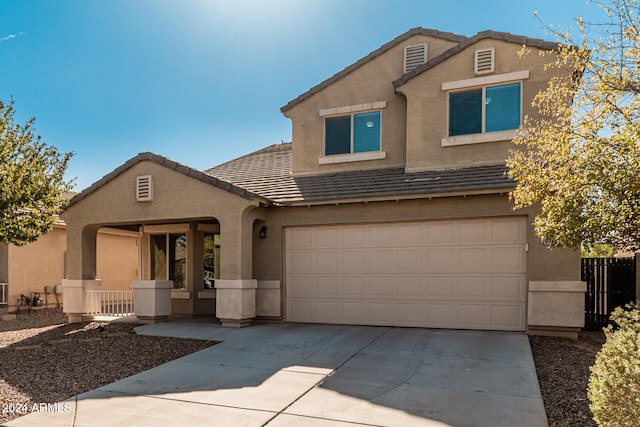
195	246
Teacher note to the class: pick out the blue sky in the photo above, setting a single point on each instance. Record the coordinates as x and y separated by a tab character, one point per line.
202	81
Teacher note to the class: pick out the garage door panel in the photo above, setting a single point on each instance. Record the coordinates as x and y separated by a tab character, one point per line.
507	317
509	288
410	234
474	260
474	232
408	287
448	274
441	232
473	316
380	260
324	312
442	287
474	287
509	231
352	261
380	235
381	287
410	260
441	315
300	262
353	287
325	237
301	287
410	314
380	313
326	287
442	260
352	237
299	238
508	260
324	262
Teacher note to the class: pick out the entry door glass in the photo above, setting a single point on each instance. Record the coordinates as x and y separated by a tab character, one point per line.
169	258
211	259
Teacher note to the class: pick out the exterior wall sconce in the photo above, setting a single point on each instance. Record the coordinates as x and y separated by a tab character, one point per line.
263	232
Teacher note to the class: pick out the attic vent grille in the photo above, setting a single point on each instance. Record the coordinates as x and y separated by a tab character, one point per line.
414	56
144	188
484	62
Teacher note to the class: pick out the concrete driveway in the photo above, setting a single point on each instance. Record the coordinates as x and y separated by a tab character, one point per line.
321	375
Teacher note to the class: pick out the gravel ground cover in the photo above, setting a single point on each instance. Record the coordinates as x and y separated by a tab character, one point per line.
45	360
563	373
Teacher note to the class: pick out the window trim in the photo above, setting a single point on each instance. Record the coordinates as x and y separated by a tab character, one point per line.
351	156
483	136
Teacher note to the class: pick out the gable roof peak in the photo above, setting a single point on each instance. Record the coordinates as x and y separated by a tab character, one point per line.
382	49
166	162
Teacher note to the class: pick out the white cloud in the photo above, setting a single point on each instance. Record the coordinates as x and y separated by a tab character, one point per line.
10	36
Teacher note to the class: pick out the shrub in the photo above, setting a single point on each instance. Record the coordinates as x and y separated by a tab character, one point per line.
614	385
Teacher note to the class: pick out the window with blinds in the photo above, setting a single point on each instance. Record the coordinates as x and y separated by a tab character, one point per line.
354	133
488	109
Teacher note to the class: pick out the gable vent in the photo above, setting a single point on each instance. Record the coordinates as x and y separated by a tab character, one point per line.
414	56
144	188
484	61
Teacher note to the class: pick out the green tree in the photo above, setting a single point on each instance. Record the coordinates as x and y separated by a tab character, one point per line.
32	184
579	157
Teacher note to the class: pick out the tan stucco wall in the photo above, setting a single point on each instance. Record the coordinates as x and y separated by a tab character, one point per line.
42	263
427	106
118	259
36	265
543	263
372	82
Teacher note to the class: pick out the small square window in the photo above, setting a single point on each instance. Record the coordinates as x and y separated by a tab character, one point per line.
355	133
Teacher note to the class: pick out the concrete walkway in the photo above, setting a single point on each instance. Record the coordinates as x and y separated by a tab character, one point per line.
321	375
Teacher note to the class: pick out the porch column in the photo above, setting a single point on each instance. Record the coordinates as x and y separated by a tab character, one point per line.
236	289
152	300
81	270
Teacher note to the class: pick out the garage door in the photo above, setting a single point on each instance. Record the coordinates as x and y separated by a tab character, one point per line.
464	274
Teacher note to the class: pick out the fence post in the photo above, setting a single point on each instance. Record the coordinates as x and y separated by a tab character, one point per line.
637	264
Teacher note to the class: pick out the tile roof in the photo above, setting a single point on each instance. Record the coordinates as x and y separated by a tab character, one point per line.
267	172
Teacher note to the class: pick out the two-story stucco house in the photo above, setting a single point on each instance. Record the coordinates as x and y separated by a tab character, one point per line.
389	207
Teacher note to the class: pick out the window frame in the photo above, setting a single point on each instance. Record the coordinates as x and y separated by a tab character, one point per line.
482	82
352	139
351	110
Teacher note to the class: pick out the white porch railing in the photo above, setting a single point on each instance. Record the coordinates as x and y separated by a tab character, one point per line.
4	290
109	303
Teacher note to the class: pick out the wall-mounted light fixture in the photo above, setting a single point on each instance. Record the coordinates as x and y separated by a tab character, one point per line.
263	232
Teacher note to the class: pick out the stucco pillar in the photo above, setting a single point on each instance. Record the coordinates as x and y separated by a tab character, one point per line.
75	301
236	289
236	302
556	308
152	300
81	251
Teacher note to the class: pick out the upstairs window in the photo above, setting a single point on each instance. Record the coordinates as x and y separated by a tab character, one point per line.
353	133
487	109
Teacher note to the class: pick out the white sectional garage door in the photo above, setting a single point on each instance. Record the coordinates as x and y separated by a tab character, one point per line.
464	274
